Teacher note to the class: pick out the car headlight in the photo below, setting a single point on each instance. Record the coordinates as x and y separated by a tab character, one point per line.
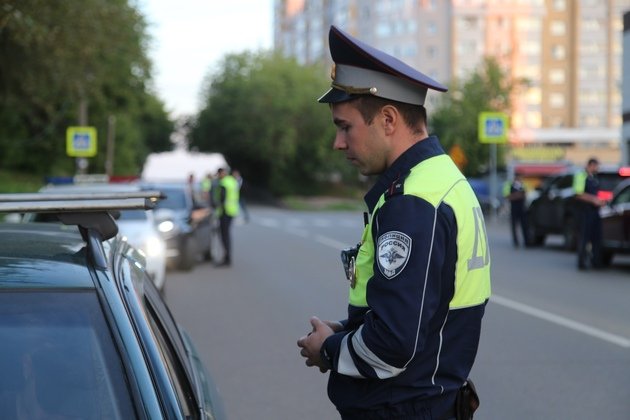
154	247
166	226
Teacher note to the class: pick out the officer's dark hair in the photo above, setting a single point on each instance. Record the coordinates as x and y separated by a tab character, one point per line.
592	161
415	116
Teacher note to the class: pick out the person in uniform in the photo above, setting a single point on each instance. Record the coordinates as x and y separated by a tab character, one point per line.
514	192
586	187
420	276
227	210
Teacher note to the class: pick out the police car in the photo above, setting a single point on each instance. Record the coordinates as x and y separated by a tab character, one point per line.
85	333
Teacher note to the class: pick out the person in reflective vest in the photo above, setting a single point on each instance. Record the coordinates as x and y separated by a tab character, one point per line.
420	276
586	188
515	193
227	196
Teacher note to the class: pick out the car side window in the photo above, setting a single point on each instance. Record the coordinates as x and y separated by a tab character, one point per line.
171	356
565	181
623	197
58	360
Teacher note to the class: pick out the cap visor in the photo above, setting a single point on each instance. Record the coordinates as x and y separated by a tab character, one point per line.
335	95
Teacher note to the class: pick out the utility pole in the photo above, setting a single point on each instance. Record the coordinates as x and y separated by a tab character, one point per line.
111	144
81	162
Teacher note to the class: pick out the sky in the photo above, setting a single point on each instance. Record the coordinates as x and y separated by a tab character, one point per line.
189	38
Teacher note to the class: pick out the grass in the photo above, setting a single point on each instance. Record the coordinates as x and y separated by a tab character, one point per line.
323	203
17	182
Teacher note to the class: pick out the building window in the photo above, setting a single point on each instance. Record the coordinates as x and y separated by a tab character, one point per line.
556	100
557	76
383	29
534	119
558	28
559	5
431	28
590	121
558	52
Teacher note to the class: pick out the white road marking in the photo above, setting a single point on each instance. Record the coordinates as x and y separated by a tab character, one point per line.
562	321
324	240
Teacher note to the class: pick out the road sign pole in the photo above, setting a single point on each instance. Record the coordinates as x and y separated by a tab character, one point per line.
493	179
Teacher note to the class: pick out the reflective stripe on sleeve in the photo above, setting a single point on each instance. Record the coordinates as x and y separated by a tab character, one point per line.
347	367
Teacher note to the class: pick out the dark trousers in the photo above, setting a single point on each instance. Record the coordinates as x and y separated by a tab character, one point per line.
225	223
590	233
518	220
409	410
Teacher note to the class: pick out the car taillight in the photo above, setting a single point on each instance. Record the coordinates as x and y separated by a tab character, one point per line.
604	195
624	171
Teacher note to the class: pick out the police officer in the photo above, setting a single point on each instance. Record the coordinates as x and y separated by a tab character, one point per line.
421	275
586	187
227	210
514	192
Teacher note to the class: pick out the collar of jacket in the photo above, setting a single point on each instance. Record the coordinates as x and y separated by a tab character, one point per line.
422	150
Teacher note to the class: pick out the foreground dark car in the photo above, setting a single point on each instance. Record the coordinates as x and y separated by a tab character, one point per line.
84	332
616	224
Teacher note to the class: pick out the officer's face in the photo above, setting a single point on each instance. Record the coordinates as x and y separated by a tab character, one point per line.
363	144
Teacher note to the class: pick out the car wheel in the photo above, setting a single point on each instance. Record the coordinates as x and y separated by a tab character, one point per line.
188	256
607	257
569	233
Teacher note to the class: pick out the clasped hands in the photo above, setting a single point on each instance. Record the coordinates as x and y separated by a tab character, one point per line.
311	343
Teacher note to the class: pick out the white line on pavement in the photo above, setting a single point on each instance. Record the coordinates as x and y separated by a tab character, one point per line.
562	321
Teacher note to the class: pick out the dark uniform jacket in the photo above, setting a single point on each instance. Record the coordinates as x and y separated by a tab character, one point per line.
407	344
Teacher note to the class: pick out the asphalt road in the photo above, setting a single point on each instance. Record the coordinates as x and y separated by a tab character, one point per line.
555	341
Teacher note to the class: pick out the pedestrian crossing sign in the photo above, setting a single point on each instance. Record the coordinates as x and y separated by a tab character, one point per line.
493	127
81	141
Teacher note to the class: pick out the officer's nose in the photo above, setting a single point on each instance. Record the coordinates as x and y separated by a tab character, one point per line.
340	142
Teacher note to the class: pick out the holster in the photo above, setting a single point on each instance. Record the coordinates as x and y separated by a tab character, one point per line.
466	402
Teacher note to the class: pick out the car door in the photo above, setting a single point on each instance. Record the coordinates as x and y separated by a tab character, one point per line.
194	386
616	221
549	208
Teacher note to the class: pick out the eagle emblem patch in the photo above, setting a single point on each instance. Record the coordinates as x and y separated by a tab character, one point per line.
393	251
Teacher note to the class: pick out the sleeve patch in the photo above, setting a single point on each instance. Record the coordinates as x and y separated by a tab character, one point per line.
393	251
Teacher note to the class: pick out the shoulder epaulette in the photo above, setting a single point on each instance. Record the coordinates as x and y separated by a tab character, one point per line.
397	187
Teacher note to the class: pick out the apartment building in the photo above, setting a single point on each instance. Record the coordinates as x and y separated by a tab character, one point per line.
570	52
625	130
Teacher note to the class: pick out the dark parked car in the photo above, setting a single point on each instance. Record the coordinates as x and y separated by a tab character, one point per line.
84	332
184	223
616	223
554	210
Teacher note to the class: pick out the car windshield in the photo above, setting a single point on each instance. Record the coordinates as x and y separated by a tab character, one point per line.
175	199
133	215
608	182
58	359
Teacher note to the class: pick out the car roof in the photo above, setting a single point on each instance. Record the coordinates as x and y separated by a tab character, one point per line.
43	255
90	188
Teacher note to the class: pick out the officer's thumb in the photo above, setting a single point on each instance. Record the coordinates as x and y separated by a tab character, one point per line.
316	323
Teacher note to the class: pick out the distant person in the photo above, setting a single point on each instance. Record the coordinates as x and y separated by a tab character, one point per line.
239	179
227	196
514	192
586	187
206	185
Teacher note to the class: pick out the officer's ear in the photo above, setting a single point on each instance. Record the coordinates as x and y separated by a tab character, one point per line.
390	118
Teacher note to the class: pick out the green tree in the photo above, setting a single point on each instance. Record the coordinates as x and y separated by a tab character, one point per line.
455	119
261	112
58	55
